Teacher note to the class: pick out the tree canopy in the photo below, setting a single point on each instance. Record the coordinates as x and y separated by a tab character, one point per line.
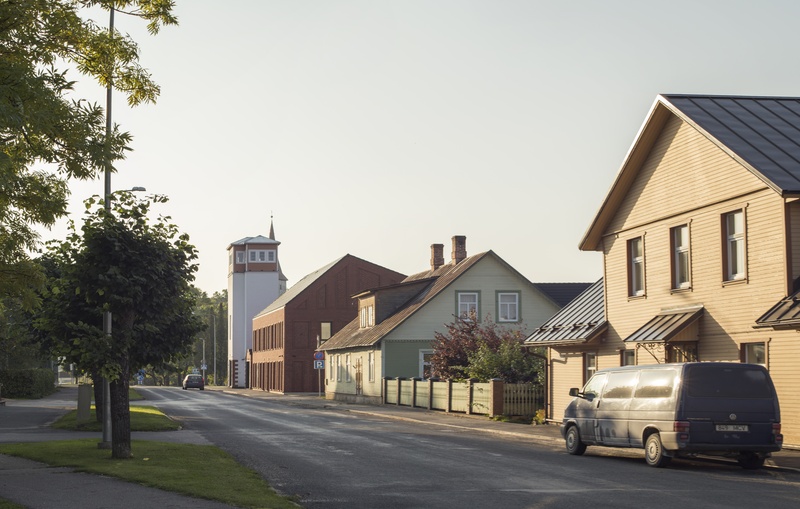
47	136
138	269
483	350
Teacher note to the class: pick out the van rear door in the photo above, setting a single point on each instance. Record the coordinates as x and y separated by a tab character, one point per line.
729	405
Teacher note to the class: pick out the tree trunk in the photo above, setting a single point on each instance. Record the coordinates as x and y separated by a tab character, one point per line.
121	417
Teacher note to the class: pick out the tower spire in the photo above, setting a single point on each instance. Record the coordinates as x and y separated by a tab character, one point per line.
271	228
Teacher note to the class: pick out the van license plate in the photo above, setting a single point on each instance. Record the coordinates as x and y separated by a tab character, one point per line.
733	427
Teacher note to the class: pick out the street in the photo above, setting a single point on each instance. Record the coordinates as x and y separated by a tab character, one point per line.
330	458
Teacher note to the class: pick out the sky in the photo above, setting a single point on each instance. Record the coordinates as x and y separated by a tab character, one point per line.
377	128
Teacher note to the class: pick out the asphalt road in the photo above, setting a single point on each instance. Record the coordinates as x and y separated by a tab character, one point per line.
330	458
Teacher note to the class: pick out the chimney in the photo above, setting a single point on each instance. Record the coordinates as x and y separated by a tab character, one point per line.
459	248
437	256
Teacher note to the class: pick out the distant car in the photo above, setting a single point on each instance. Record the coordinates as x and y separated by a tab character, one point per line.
193	382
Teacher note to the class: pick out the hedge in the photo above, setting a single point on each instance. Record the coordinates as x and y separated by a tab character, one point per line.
27	383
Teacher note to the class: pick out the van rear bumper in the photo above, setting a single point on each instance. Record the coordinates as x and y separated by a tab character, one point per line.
671	442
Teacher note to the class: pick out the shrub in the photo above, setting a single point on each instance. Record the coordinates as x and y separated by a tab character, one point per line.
27	383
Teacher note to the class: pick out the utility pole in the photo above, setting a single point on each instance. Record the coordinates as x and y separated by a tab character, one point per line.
106	442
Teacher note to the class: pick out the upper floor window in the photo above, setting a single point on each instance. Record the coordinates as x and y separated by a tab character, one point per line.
734	237
680	257
366	316
239	256
262	256
468	305
324	331
636	267
507	306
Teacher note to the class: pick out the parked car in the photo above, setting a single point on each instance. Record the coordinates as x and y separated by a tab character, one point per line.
194	382
672	410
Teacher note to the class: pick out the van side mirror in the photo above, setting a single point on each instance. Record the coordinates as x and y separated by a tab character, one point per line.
574	392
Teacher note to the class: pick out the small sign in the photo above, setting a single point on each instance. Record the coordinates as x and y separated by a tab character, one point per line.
319	364
318	356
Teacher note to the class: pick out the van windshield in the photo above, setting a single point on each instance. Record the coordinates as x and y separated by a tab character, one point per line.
710	381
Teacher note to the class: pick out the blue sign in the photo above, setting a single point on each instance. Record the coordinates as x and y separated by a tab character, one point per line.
319	364
318	356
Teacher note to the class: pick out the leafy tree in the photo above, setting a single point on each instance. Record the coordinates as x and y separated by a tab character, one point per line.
47	137
482	350
141	271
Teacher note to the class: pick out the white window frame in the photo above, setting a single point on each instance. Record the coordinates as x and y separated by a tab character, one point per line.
325	331
240	257
501	306
681	258
423	363
589	365
464	307
752	357
347	367
636	267
735	246
338	368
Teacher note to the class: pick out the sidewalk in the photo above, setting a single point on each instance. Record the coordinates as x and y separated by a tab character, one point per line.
787	459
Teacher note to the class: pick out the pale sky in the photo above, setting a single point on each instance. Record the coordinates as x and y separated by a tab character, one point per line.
378	128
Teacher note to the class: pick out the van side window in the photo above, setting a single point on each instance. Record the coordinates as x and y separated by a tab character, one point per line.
657	383
620	385
593	387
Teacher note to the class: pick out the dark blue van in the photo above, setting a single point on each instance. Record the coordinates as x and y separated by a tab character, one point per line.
672	410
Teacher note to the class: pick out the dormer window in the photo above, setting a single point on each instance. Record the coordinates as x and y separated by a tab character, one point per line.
367	316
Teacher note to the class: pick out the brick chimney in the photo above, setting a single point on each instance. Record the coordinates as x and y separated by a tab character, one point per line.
437	256
459	248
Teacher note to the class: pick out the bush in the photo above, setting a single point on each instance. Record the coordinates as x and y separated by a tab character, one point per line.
27	383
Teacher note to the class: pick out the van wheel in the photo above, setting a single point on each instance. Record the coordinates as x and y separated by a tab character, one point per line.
750	461
654	452
574	444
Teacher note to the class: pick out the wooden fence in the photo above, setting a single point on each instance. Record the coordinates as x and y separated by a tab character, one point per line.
491	398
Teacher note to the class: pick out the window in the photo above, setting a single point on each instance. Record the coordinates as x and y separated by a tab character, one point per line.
635	267
755	353
371	366
347	367
620	385
324	331
239	256
734	256
262	256
468	305
366	316
589	365
425	365
627	357
338	368
508	306
331	362
680	257
682	352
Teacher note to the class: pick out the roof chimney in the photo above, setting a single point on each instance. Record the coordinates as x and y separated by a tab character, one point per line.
459	248
437	256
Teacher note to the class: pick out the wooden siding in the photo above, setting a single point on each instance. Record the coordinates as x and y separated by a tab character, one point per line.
682	170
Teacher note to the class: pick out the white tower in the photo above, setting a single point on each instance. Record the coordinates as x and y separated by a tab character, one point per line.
254	281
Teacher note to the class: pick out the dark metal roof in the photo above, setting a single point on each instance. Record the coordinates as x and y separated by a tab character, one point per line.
784	314
579	321
562	293
666	325
763	131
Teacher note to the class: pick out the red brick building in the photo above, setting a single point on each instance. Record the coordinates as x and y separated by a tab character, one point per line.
286	332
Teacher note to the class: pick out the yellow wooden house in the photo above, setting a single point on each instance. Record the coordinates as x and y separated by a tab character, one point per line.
700	236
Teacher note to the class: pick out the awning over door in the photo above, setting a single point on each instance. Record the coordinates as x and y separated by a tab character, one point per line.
670	325
783	315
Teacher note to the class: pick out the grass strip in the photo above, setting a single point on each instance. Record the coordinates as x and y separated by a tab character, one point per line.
202	471
143	418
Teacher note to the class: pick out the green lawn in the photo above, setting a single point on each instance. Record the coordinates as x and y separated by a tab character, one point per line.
201	471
